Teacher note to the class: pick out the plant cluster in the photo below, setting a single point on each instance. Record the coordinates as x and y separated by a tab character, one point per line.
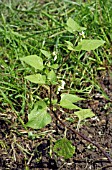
47	76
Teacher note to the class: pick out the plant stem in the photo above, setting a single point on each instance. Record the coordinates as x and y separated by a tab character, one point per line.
51	107
50	97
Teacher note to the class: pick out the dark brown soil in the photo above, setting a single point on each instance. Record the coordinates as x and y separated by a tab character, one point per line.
19	151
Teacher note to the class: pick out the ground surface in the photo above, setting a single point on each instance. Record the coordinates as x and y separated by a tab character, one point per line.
19	152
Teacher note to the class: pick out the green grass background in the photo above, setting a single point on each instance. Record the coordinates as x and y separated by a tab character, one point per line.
28	26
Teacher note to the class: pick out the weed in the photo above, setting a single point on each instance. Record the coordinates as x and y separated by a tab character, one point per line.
47	76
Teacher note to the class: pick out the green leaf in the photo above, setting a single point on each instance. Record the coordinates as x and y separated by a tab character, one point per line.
63	147
89	45
46	53
52	77
78	48
36	78
71	97
54	66
73	26
67	101
70	46
38	118
34	61
84	113
68	105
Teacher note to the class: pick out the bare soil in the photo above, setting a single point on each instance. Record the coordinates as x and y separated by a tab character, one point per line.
19	151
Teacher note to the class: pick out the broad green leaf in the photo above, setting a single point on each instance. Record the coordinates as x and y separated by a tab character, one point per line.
67	101
46	53
39	105
38	118
69	43
52	77
84	113
73	26
78	48
34	61
36	78
70	46
71	97
89	45
68	104
63	147
54	66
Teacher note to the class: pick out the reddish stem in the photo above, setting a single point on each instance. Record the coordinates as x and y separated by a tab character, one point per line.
83	136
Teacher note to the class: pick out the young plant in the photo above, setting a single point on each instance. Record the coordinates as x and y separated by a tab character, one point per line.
47	76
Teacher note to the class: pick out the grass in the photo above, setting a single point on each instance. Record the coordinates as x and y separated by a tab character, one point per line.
27	27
